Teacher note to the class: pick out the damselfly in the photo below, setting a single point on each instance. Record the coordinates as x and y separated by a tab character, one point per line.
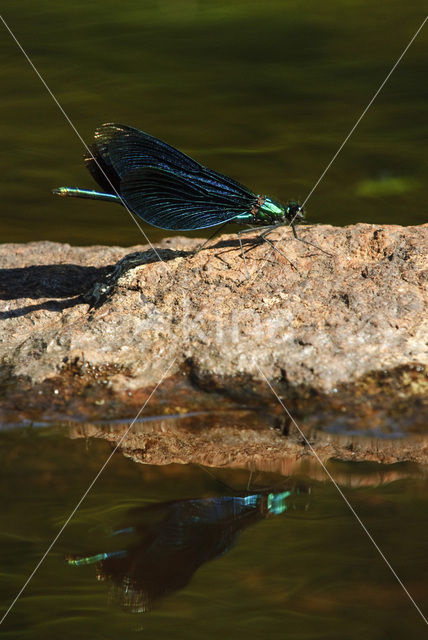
170	190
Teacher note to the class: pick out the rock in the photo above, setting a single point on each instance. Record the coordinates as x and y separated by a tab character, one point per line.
342	337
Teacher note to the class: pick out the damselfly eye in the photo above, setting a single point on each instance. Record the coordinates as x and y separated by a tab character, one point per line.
294	209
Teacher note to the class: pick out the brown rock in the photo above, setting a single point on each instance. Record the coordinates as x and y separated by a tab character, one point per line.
343	337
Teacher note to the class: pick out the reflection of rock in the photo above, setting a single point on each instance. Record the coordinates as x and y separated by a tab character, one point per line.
170	541
216	441
342	337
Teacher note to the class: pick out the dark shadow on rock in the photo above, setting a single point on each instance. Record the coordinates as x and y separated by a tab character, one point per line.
68	284
50	305
48	281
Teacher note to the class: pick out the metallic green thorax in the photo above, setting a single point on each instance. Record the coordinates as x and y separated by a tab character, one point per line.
266	212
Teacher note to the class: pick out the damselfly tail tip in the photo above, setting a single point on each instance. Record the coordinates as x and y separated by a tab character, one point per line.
60	191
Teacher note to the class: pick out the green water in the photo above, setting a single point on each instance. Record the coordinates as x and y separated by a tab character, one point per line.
310	572
263	91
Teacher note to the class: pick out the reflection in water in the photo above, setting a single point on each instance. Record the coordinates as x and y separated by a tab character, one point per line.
171	540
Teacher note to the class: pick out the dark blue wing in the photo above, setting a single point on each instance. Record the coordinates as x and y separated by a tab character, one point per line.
125	149
130	148
99	162
169	200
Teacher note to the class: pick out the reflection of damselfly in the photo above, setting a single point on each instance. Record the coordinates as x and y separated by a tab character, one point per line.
163	545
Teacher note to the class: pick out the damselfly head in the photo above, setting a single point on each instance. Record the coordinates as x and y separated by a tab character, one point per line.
294	212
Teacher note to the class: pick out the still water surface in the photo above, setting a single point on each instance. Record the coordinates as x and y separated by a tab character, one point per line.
308	572
262	91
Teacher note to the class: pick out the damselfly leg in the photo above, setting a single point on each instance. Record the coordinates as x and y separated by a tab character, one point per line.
263	238
292	225
204	244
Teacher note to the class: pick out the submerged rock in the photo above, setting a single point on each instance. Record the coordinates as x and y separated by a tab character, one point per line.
87	332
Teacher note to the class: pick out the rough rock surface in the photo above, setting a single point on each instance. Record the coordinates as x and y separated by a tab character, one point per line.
340	335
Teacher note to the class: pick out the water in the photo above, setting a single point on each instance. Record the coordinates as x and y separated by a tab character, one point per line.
265	92
309	572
